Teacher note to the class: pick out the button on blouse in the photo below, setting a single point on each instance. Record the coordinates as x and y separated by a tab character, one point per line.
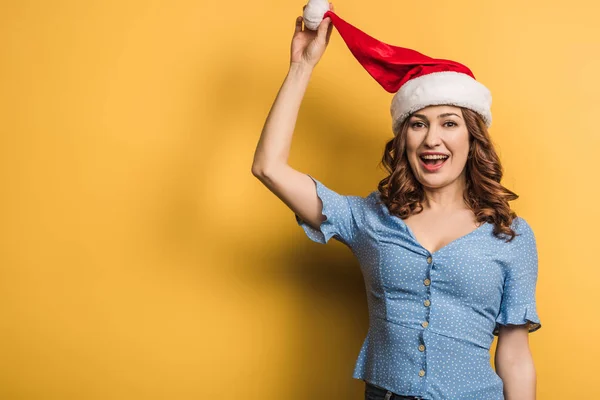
432	316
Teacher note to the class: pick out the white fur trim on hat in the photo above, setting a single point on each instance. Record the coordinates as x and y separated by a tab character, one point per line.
441	88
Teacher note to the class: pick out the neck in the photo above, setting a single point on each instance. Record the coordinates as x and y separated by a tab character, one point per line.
449	197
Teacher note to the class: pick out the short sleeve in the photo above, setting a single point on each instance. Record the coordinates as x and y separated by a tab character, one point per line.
518	304
340	213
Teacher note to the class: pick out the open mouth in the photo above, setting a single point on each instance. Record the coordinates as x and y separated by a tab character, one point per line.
433	162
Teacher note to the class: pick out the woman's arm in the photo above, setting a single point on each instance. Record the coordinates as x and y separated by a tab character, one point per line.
514	362
270	164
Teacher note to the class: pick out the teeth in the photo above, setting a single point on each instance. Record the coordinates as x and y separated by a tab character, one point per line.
434	157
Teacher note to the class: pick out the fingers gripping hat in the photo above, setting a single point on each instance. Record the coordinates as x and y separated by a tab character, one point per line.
417	80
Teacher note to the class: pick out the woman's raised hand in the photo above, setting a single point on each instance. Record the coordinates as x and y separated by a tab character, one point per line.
308	46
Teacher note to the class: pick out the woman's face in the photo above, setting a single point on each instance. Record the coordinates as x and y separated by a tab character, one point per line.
437	145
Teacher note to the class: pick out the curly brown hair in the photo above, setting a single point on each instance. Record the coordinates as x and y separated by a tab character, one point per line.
403	194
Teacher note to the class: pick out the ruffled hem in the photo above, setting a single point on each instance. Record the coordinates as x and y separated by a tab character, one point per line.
327	230
519	315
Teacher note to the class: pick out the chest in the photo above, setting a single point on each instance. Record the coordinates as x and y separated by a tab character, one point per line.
465	270
433	232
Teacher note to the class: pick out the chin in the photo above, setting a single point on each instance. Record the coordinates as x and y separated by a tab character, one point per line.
436	183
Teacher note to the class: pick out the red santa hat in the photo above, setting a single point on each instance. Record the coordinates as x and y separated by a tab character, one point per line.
417	80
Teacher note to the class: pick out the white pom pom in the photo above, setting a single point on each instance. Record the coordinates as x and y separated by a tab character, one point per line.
313	13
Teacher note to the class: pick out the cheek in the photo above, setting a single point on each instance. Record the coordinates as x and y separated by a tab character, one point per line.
411	147
413	160
459	146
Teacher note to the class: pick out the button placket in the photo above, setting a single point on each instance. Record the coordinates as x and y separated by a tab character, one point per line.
427	283
426	303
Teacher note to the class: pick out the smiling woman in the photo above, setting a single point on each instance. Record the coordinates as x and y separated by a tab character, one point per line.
440	145
447	264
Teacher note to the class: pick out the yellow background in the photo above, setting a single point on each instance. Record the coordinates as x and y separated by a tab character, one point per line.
140	259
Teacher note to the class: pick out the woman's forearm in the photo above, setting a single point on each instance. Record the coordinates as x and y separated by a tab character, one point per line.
273	147
519	378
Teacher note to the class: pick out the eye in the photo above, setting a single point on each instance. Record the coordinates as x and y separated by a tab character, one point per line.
450	124
417	124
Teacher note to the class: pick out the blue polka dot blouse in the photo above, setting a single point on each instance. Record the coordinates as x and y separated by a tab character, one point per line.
432	316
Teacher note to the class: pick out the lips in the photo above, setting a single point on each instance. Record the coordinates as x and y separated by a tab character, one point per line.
432	162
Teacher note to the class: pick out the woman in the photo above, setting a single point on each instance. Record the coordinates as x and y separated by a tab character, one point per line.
447	264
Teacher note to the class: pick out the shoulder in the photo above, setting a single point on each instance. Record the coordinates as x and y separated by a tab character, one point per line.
368	211
521	226
525	236
364	205
523	247
368	201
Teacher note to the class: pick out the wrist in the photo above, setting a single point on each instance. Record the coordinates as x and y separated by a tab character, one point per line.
300	68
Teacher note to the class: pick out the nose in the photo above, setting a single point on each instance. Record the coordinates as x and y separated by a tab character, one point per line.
433	137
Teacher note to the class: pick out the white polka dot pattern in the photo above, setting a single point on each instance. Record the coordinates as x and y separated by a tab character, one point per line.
432	316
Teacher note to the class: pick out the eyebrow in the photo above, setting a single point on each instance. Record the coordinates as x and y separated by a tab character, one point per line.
439	116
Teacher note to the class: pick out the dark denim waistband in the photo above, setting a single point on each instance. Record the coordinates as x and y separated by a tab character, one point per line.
374	392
